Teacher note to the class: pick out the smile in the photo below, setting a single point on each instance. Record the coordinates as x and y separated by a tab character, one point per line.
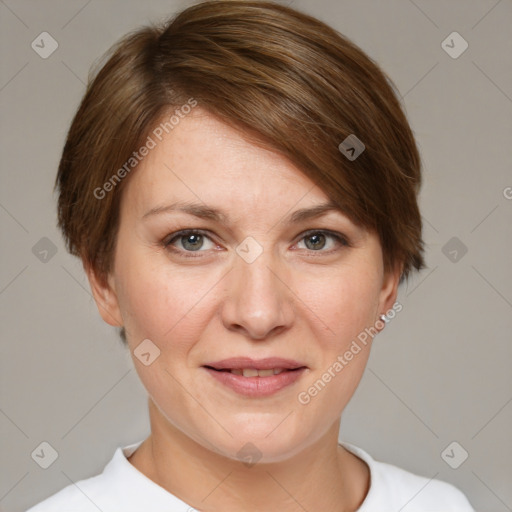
253	372
256	378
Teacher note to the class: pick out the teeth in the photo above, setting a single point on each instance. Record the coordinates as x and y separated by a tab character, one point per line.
252	372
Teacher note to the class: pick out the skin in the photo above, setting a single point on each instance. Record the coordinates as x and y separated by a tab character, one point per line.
297	300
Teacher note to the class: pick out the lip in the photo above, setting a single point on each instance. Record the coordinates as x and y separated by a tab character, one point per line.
256	387
239	363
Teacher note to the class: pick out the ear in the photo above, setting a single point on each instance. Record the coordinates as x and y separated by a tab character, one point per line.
389	290
105	296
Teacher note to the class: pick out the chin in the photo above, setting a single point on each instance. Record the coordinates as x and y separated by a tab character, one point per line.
263	440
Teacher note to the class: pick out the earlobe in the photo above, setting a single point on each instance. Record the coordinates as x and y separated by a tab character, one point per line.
105	296
389	291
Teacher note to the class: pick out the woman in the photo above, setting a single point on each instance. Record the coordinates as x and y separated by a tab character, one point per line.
241	186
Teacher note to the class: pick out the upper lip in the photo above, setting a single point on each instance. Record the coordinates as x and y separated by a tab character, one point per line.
241	363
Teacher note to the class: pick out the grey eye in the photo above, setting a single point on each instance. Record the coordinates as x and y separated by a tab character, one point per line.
315	242
192	242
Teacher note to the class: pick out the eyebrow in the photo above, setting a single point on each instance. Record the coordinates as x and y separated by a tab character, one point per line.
205	212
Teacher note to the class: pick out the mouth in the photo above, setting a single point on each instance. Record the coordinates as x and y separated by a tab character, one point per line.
253	372
256	378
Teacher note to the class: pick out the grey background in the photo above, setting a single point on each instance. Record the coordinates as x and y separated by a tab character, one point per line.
440	372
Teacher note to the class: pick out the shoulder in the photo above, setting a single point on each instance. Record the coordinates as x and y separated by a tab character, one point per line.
99	492
417	493
119	488
402	490
77	497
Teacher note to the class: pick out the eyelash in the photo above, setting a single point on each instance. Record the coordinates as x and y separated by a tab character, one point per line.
169	240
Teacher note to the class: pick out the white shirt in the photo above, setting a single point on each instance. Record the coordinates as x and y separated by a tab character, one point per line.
123	488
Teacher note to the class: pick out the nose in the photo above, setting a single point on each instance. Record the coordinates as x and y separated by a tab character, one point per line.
258	300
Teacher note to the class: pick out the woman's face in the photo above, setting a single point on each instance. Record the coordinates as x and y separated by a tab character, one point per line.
269	279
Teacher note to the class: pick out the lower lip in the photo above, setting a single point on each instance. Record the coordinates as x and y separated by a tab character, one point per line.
257	386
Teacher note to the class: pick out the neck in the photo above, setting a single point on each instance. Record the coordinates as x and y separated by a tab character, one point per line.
335	479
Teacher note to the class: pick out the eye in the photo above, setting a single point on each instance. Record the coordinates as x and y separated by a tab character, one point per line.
190	241
324	241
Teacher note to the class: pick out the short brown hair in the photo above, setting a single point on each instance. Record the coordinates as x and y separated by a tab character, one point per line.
287	80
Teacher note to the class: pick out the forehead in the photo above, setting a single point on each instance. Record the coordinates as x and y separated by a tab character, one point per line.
203	159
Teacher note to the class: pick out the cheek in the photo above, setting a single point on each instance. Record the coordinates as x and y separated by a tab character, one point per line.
341	305
338	313
341	309
161	305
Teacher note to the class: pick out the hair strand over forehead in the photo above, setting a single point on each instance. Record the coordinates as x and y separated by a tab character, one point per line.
286	80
